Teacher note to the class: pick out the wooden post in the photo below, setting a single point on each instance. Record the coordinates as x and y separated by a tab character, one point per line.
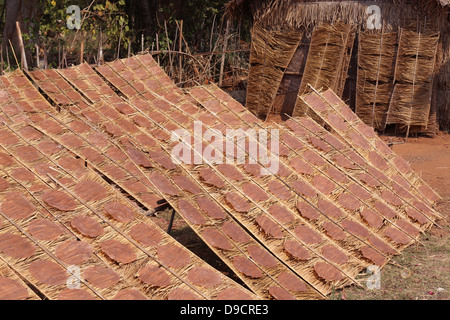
24	63
225	44
37	54
208	66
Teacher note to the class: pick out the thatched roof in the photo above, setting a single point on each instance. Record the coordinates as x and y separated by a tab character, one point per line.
295	13
233	6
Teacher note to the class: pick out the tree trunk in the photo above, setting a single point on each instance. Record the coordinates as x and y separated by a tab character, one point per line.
27	14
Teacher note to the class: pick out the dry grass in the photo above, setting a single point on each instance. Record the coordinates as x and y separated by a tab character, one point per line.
429	277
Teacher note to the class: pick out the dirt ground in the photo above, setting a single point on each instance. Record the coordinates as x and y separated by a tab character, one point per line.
421	272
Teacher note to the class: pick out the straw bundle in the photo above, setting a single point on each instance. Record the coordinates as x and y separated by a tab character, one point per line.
416	57
345	64
376	59
411	98
271	52
410	105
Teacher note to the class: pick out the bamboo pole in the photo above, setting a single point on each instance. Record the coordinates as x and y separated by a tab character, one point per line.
157	46
413	87
59	54
100	50
378	76
23	58
168	48
180	57
7	57
14	53
225	44
36	46
82	51
197	74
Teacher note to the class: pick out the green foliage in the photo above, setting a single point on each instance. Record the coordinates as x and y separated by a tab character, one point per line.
105	21
115	24
197	16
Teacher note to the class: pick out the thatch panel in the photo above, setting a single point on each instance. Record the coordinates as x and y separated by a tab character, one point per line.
345	63
373	102
376	55
376	60
411	100
416	57
271	52
325	61
262	88
287	93
350	127
410	105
